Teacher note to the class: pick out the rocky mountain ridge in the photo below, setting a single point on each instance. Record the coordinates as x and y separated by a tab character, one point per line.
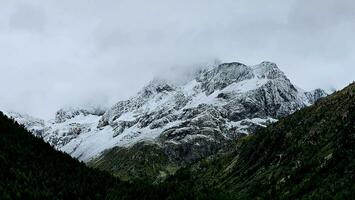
188	121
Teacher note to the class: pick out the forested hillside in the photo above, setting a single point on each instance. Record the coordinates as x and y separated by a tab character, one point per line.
32	169
308	155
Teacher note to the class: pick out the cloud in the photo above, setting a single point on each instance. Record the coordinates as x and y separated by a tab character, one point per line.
58	53
27	17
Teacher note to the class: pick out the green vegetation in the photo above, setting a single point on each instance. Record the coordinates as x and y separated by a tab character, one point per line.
31	169
141	161
308	155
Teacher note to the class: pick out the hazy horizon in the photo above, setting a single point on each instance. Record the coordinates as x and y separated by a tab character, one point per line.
71	53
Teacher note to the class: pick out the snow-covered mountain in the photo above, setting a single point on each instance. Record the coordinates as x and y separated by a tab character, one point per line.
187	121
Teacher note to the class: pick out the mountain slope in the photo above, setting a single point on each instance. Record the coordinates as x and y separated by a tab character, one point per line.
307	155
32	169
222	104
183	123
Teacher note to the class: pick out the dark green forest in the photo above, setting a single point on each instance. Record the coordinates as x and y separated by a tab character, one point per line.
308	155
32	169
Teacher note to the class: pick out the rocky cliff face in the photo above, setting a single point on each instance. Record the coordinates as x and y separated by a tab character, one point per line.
188	121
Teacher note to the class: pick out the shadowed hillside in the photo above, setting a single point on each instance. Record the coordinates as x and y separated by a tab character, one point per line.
308	155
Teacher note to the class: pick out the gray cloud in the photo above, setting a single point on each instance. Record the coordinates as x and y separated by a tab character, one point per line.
57	53
27	17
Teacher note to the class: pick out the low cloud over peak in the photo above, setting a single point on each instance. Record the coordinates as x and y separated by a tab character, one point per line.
61	53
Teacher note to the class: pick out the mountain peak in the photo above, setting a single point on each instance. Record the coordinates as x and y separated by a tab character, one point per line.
157	85
314	95
219	104
224	75
230	64
66	113
268	70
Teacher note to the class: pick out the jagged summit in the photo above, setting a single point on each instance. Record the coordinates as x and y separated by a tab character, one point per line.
314	95
155	86
188	121
66	113
227	73
223	75
268	70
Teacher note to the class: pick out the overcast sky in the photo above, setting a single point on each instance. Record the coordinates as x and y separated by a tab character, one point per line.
76	52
